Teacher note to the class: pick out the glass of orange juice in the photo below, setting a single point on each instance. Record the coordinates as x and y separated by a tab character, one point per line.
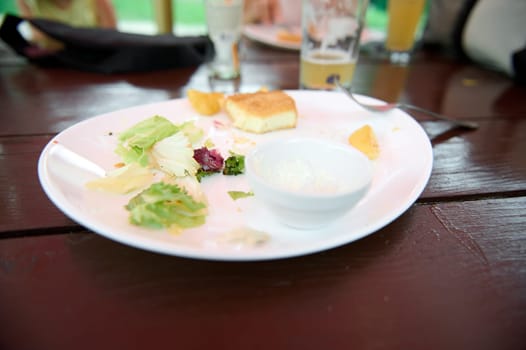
403	19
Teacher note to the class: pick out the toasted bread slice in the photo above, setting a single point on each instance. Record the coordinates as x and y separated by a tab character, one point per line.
262	111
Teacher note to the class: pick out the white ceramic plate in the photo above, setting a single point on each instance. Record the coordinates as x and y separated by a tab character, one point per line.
268	35
400	174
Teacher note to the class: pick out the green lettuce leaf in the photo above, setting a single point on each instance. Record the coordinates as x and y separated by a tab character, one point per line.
194	133
175	156
136	140
235	195
234	165
166	206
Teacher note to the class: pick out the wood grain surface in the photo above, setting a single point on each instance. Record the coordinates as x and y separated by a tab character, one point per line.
442	276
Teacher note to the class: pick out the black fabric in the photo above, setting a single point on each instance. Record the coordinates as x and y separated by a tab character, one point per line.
519	66
460	24
106	50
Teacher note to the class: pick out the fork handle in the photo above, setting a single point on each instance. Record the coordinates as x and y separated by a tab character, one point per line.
462	123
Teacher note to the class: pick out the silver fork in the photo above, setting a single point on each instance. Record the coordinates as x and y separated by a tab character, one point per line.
390	106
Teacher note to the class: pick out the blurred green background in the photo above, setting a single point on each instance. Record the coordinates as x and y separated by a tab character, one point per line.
187	11
190	13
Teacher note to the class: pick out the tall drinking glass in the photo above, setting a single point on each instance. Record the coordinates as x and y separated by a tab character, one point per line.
330	46
224	19
403	19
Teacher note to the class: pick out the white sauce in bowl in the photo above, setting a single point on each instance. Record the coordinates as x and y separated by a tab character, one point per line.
302	176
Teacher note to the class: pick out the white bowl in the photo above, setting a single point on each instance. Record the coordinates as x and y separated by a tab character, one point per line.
308	183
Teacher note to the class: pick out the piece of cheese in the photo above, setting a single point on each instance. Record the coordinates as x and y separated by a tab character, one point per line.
365	140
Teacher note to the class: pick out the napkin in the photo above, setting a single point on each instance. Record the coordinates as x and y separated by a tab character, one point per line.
106	50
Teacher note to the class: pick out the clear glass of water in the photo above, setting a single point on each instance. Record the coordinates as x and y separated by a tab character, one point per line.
224	19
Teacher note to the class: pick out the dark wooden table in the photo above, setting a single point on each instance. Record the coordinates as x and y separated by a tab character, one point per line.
450	273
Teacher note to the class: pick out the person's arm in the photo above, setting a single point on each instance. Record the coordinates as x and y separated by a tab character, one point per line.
23	7
261	11
105	14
